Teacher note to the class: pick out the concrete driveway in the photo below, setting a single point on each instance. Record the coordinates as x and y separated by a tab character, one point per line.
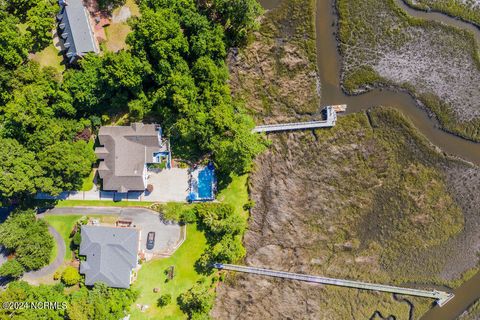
167	236
168	185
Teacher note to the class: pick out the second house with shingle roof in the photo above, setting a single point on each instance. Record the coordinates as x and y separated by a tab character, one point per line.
111	255
125	153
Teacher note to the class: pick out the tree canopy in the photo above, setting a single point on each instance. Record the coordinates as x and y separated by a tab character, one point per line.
173	73
19	168
189	92
38	129
237	16
28	238
197	301
15	45
98	303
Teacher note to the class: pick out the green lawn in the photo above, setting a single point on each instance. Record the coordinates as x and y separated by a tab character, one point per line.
117	32
151	275
102	203
50	57
134	9
236	194
64	225
53	255
88	182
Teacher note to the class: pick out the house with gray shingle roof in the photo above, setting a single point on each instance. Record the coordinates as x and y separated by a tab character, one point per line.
75	29
125	152
111	255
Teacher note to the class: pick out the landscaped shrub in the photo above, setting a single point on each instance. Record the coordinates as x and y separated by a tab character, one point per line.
164	300
70	276
77	238
57	275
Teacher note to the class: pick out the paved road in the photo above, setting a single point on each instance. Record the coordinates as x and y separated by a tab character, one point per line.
52	267
91	210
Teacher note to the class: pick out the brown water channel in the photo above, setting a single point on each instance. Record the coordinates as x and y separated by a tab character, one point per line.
329	64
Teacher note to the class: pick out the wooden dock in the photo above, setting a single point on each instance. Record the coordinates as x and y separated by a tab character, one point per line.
330	120
440	296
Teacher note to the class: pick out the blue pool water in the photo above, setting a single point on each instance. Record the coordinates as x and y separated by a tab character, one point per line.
205	184
203	188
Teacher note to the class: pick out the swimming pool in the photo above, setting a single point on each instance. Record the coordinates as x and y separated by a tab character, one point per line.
202	185
205	183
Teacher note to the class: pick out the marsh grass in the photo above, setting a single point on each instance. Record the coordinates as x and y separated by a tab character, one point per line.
366	200
464	10
276	74
363	44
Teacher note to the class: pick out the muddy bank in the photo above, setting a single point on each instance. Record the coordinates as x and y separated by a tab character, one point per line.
329	61
464	10
438	63
473	313
373	203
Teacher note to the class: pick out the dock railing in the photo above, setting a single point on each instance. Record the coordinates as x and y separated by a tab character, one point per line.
440	296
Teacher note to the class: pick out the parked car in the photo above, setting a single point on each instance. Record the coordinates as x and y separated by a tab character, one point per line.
150	240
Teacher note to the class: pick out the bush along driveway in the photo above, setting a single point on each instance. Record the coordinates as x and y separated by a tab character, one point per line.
52	267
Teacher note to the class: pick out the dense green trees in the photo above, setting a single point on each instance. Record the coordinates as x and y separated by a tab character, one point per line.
11	269
37	115
224	229
38	17
40	23
99	303
198	301
237	16
15	45
190	92
64	164
20	8
19	168
105	83
219	219
22	291
28	238
37	130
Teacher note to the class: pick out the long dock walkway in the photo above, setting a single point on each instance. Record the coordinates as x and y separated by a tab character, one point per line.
440	296
294	126
331	119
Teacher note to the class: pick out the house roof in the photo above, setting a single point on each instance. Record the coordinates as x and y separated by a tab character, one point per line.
76	31
111	255
125	151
